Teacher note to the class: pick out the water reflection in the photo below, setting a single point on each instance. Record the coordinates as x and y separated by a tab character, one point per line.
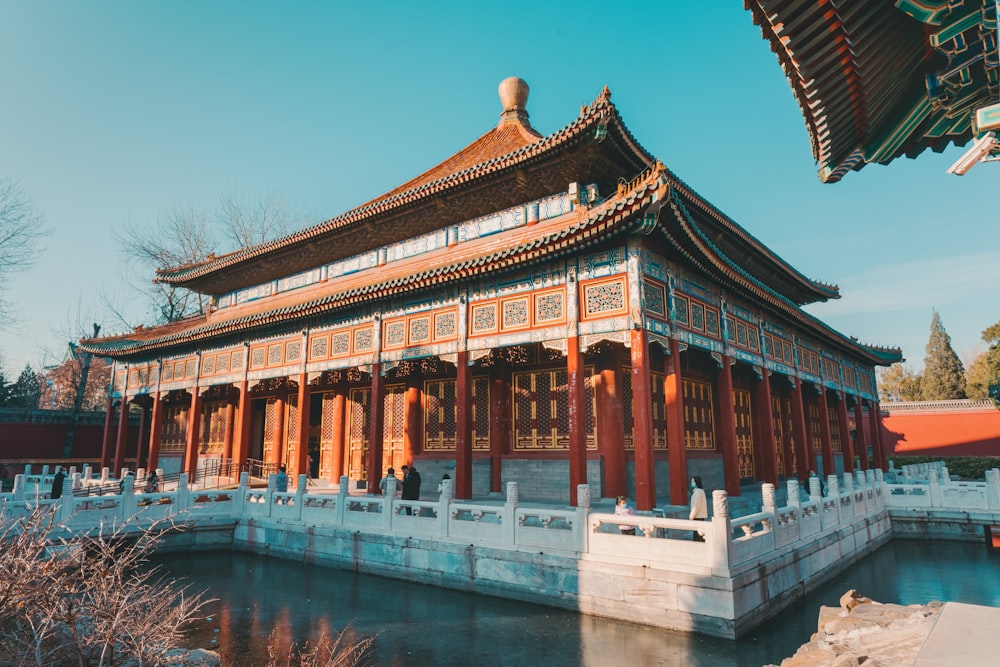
422	625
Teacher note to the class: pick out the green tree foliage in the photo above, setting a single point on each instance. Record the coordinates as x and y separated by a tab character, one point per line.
985	369
26	392
4	390
898	383
944	375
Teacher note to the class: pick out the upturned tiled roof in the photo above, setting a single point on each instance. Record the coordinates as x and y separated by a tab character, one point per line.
878	80
509	164
687	234
500	252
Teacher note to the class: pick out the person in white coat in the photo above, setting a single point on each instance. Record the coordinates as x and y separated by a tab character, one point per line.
699	506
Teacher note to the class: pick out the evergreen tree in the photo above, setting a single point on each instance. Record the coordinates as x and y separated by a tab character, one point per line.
4	390
27	391
898	383
944	375
985	369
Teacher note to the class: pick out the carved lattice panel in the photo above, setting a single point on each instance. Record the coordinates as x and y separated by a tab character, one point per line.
815	428
326	434
291	431
213	427
393	426
359	411
439	415
836	440
270	412
699	427
173	432
779	430
658	407
541	410
744	432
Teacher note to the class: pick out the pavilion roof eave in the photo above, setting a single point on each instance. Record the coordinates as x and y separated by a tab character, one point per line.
610	218
691	241
871	81
767	266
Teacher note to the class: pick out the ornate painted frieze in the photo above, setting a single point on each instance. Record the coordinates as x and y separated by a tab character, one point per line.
604	263
701	319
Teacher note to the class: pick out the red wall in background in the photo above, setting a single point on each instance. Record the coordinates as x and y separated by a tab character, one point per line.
942	432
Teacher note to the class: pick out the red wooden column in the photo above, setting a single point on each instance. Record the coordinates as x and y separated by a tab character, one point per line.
642	422
300	466
673	390
846	450
500	422
241	436
463	427
193	435
278	444
824	434
611	426
230	427
727	428
338	426
803	455
140	439
155	427
764	461
109	416
413	418
859	433
376	428
577	411
122	440
875	415
787	444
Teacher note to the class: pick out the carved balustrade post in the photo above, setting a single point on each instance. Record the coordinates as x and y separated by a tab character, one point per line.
721	530
794	493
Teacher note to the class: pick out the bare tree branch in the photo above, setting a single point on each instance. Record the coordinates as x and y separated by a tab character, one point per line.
21	230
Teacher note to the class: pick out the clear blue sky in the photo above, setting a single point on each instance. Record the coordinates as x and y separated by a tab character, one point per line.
116	111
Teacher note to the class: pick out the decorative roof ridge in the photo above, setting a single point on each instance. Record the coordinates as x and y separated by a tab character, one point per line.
824	290
722	262
593	225
600	109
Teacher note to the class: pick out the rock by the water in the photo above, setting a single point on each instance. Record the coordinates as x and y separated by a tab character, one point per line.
864	633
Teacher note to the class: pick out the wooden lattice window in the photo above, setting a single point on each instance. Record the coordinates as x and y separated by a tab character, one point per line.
778	438
213	426
659	409
699	427
440	414
836	440
541	409
815	427
291	431
744	432
173	432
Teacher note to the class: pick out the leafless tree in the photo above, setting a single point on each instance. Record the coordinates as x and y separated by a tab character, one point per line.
21	229
184	237
180	238
243	222
90	599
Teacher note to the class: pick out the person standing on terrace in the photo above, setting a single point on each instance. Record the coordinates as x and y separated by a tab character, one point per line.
699	506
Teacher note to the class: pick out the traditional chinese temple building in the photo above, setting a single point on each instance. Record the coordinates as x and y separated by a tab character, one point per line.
879	80
552	310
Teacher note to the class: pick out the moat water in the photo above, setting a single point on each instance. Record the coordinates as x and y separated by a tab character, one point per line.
421	625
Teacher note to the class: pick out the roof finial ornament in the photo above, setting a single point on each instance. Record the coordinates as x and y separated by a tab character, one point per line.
514	100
